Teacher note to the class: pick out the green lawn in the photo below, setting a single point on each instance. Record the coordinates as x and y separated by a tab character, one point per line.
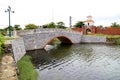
108	36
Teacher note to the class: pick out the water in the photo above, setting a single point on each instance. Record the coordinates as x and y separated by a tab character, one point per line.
78	62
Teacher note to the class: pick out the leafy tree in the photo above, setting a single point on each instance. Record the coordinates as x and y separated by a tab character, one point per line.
50	25
45	25
17	27
7	28
115	25
60	25
30	26
3	32
79	24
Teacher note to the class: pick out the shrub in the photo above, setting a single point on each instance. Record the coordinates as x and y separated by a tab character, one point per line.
118	41
1	43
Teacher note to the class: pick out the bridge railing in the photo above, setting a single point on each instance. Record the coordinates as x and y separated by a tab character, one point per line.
45	30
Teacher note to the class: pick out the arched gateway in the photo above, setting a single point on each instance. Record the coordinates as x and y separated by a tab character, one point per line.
38	38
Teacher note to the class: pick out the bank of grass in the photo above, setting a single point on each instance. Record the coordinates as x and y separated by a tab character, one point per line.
26	70
108	36
3	39
117	37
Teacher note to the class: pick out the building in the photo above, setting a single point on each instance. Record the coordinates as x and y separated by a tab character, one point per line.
89	28
89	21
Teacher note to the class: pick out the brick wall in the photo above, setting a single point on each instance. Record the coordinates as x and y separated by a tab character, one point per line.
112	31
77	29
95	30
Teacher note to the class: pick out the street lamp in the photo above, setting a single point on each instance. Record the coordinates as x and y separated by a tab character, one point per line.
9	11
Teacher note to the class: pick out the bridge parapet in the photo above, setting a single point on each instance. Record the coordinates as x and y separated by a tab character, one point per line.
45	30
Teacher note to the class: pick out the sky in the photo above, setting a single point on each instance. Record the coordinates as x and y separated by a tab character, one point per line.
39	12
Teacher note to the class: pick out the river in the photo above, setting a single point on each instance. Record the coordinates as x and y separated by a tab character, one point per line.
78	62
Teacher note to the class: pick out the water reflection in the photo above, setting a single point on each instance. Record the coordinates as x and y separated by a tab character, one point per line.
78	62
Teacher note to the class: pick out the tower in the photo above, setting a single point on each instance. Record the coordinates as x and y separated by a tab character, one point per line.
89	21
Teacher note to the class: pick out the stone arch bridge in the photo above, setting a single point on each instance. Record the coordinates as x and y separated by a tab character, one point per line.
38	38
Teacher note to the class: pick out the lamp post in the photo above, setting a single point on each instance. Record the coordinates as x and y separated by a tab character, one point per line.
9	12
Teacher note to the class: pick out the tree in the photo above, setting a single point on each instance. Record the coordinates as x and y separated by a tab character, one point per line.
60	25
7	28
79	24
17	27
3	32
30	26
50	25
115	25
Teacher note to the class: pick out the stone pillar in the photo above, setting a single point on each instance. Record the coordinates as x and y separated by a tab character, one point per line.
14	33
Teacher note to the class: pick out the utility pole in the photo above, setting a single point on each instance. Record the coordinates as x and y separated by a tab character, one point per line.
9	12
70	22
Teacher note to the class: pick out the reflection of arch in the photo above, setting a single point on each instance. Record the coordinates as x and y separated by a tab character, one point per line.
88	31
63	39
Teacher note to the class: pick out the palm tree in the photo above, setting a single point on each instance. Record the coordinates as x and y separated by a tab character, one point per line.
115	25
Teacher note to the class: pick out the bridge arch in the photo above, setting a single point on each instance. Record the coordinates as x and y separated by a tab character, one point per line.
63	39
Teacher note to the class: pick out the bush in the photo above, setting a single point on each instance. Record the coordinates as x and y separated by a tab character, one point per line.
1	43
118	41
26	71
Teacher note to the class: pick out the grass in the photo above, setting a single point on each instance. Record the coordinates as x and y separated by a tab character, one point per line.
108	36
113	36
26	71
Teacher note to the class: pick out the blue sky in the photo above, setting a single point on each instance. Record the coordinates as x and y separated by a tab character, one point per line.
104	12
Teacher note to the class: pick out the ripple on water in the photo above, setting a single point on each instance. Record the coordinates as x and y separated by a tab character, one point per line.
80	62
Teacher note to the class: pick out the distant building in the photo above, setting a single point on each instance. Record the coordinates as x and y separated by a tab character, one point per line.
89	21
40	26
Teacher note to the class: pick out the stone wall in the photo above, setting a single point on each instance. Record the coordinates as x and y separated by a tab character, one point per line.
93	39
18	48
